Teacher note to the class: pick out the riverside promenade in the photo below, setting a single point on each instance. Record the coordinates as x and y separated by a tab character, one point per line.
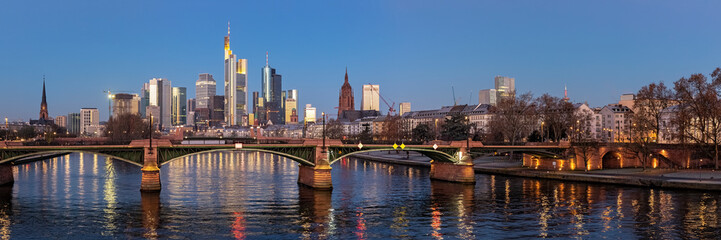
662	178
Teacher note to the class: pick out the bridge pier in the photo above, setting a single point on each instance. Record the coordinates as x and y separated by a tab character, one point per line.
151	173
461	172
318	176
6	174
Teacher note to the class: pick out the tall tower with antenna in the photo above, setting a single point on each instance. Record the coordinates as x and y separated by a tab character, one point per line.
236	87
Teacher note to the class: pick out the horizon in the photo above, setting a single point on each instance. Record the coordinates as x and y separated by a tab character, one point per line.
416	52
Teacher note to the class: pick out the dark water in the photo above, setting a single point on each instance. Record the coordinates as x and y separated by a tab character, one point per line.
255	196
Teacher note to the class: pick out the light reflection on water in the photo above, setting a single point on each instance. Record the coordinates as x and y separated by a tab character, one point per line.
254	195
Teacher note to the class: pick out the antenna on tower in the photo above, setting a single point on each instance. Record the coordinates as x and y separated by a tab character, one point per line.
266	58
228	28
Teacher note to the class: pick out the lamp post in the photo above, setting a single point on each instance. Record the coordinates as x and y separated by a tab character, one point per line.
323	115
543	133
151	134
468	136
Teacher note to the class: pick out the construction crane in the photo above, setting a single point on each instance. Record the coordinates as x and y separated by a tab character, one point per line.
391	110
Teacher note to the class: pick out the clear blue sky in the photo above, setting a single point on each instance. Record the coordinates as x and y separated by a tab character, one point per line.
416	50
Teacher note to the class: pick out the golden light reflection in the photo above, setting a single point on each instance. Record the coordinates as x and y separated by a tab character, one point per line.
150	204
400	221
110	197
6	196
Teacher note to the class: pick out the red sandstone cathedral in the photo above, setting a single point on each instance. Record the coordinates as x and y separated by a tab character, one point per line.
345	101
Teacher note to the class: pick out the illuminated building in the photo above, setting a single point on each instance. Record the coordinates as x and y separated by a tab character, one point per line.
61	121
235	86
309	114
179	106
159	92
504	86
271	93
124	103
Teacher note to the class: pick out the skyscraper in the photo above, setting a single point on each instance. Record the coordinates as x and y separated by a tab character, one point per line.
160	95
235	86
179	106
505	86
370	97
487	96
217	111
204	90
61	121
271	92
345	99
291	107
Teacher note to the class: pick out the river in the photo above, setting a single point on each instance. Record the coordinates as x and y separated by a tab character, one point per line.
248	195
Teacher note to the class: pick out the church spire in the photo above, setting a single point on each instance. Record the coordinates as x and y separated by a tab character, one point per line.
44	105
346	74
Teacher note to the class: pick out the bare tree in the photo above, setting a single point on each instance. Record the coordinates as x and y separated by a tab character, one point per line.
699	112
651	100
557	116
584	144
392	128
334	129
515	117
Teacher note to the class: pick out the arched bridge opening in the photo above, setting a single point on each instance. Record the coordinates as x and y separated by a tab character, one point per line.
167	155
132	156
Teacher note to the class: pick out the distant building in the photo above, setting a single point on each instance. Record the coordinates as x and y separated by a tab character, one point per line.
124	103
504	86
616	122
153	112
293	94
160	95
204	90
61	121
89	121
217	115
371	95
404	107
352	115
73	124
345	98
310	116
144	99
179	106
236	76
191	119
271	91
291	109
44	117
628	100
487	96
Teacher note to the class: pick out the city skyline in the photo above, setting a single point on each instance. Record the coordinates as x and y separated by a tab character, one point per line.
598	57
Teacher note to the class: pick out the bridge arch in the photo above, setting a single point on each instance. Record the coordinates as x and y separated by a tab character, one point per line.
611	159
435	155
38	153
289	156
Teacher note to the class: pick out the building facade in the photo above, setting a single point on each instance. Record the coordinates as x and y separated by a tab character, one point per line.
89	121
310	115
179	111
124	103
204	90
61	121
73	124
403	108
160	95
370	96
487	96
504	86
